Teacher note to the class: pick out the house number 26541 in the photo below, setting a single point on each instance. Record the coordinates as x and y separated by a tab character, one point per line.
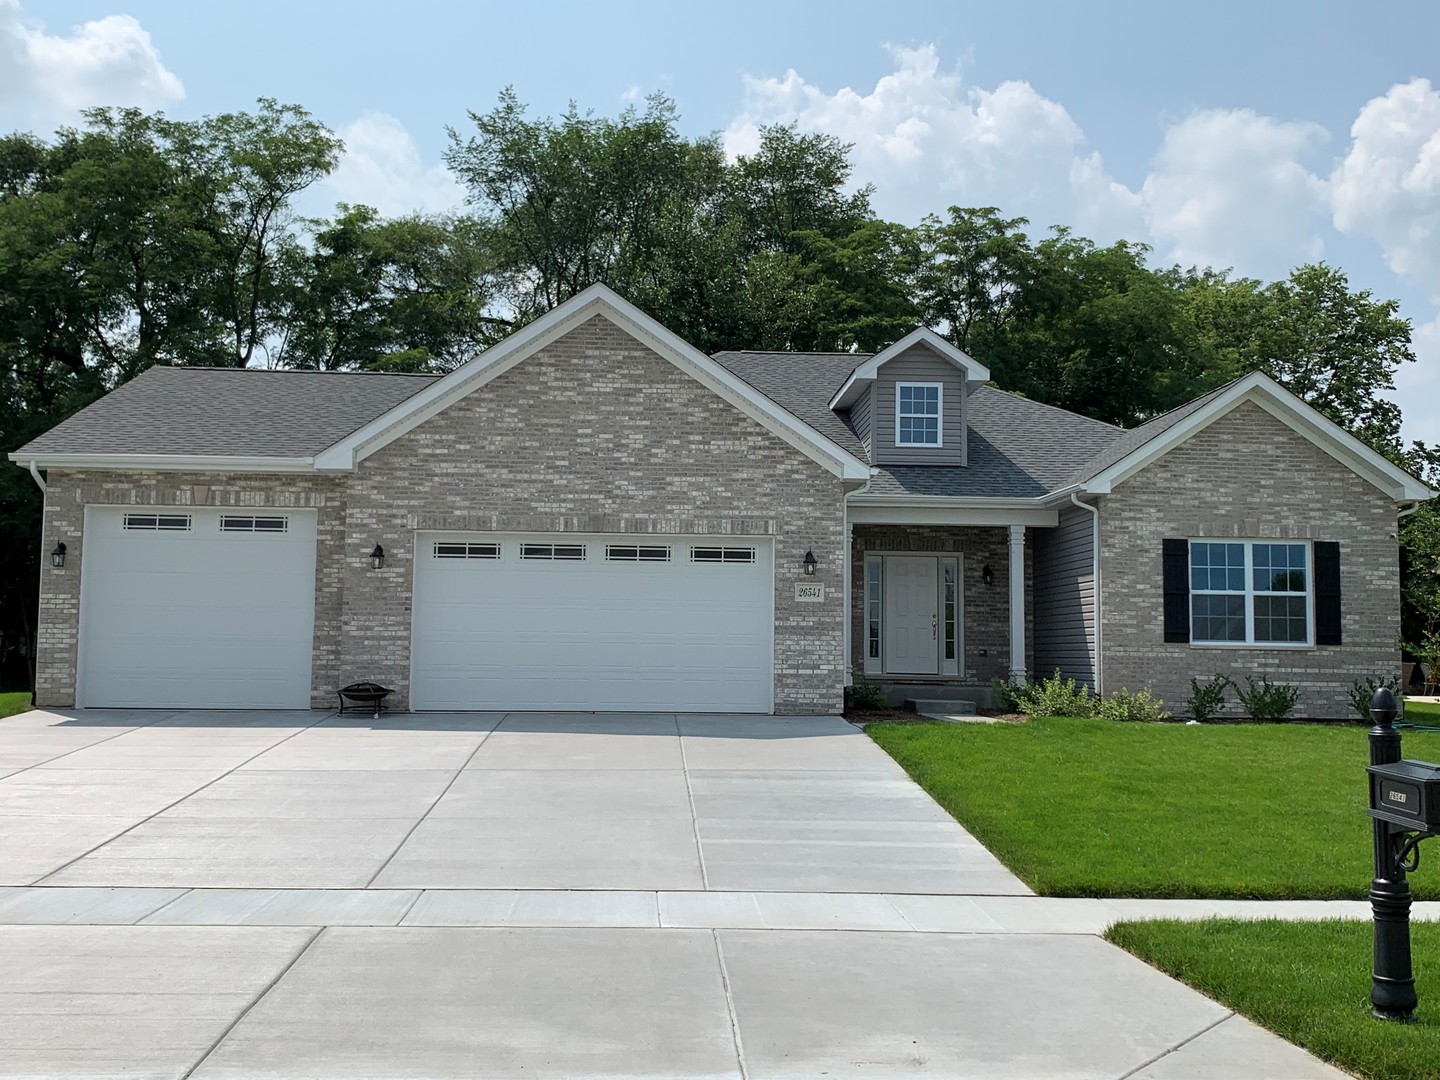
809	592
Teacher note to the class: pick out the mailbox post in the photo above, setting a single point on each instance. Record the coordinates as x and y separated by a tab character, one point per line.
1405	809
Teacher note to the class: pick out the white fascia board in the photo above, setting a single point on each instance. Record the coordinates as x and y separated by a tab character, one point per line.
901	511
596	300
866	372
1295	414
166	463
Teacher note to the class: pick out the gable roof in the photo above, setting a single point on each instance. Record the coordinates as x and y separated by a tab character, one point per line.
225	412
1149	441
602	301
867	372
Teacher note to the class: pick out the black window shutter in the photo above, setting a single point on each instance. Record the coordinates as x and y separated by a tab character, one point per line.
1327	592
1176	583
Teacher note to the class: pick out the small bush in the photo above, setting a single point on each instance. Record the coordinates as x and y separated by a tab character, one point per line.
1055	696
1139	708
1362	692
1005	699
868	696
1266	700
1207	700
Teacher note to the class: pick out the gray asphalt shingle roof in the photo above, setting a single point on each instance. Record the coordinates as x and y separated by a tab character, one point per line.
802	384
244	412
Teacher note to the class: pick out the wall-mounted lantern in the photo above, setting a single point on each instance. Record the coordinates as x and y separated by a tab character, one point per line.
377	558
810	563
57	557
987	575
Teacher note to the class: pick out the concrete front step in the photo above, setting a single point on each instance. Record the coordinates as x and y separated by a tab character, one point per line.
947	706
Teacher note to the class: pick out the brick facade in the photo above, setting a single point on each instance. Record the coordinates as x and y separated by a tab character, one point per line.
594	433
1247	475
985	610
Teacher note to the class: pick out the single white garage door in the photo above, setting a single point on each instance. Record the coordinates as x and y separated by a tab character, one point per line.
592	623
197	609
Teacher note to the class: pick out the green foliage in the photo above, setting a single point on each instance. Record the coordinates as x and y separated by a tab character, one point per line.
1005	699
867	696
1207	699
1203	795
1139	707
1308	982
1362	692
1266	701
1055	696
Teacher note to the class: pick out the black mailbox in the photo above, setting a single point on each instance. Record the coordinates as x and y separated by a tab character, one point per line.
1406	793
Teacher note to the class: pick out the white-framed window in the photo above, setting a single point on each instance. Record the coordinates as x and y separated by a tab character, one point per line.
949	616
874	612
158	522
561	552
1251	592
446	550
637	553
253	523
917	414
722	554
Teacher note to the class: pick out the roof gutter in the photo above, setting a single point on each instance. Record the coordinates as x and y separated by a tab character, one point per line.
167	463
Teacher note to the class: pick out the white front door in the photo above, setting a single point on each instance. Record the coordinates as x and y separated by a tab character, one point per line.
911	615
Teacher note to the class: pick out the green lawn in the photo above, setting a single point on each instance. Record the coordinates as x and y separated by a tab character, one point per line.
10	704
1096	808
1309	982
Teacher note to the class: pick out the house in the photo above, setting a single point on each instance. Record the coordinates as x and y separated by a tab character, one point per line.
593	515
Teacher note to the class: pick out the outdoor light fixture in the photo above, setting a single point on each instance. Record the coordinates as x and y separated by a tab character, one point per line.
987	575
57	557
377	558
810	563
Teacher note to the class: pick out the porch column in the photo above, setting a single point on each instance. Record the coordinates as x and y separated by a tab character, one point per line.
1017	604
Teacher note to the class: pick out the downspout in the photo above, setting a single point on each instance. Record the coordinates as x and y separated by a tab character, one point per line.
1095	585
1403	513
845	591
35	472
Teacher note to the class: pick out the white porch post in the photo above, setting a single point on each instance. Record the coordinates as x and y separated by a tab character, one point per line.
845	570
1017	605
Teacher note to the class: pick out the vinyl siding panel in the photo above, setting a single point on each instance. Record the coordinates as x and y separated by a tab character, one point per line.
1065	597
919	364
862	417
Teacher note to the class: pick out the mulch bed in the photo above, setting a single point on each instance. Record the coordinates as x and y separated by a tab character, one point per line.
904	716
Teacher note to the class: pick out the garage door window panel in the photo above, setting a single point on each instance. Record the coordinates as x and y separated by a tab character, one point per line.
158	522
554	552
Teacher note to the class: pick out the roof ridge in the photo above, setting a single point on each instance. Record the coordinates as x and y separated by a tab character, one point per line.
293	371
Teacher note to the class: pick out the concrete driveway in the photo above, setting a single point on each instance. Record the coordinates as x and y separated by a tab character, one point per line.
295	895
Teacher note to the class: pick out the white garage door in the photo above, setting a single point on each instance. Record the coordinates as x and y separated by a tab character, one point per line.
191	608
592	623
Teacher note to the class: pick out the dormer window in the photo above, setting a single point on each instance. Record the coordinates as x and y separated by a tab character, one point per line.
917	414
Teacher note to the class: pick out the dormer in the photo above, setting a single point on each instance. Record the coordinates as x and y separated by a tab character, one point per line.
909	403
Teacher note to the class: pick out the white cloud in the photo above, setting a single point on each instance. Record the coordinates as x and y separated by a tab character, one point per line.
1388	185
927	140
382	168
1229	187
1417	385
109	61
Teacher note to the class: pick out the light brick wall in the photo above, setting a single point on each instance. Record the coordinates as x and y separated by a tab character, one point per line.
595	433
69	492
986	611
1248	476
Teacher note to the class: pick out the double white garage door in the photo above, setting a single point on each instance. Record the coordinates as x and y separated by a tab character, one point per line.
215	609
592	622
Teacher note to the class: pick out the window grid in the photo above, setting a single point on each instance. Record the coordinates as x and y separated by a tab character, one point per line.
557	552
873	610
466	551
158	522
722	554
917	414
636	553
949	577
253	523
1249	592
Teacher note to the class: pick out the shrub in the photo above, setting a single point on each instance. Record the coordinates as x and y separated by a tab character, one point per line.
1266	700
868	696
1362	692
1005	699
1208	699
1055	696
1140	708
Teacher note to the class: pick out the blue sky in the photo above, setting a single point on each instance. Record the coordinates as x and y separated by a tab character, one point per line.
1254	135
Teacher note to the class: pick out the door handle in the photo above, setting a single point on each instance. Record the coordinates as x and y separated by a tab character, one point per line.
934	622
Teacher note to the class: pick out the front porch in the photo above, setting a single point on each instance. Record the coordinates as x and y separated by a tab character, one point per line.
940	611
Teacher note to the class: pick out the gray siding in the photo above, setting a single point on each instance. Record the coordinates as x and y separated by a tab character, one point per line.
861	419
1065	597
919	364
